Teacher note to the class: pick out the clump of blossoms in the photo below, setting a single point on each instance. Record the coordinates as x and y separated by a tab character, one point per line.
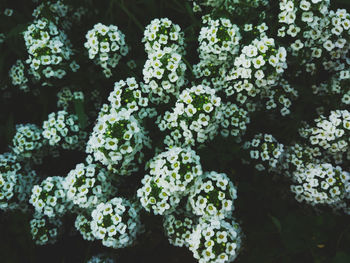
216	241
127	97
117	140
212	75
320	35
49	198
27	140
332	133
58	11
62	129
116	222
44	230
194	119
265	151
48	48
212	196
9	167
164	74
320	184
171	174
294	14
161	33
83	225
18	76
259	66
16	182
178	228
296	156
337	45
234	120
106	46
218	40
88	185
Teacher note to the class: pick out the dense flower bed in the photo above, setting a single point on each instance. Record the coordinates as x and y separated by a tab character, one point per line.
107	131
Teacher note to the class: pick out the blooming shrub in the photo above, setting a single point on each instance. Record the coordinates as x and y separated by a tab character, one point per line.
219	127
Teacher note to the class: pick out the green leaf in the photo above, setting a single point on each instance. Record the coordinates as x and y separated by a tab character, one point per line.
276	222
79	111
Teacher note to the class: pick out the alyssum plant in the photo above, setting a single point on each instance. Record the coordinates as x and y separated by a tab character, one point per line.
244	68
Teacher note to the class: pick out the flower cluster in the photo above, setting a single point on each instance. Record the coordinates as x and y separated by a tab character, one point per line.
320	35
48	48
61	13
265	151
259	66
216	241
62	129
163	74
194	119
161	33
234	120
16	182
218	40
88	185
331	134
117	140
82	224
212	196
8	178
178	228
49	198
106	46
116	222
127	98
18	75
320	184
292	12
172	172
212	75
44	230
27	141
296	156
